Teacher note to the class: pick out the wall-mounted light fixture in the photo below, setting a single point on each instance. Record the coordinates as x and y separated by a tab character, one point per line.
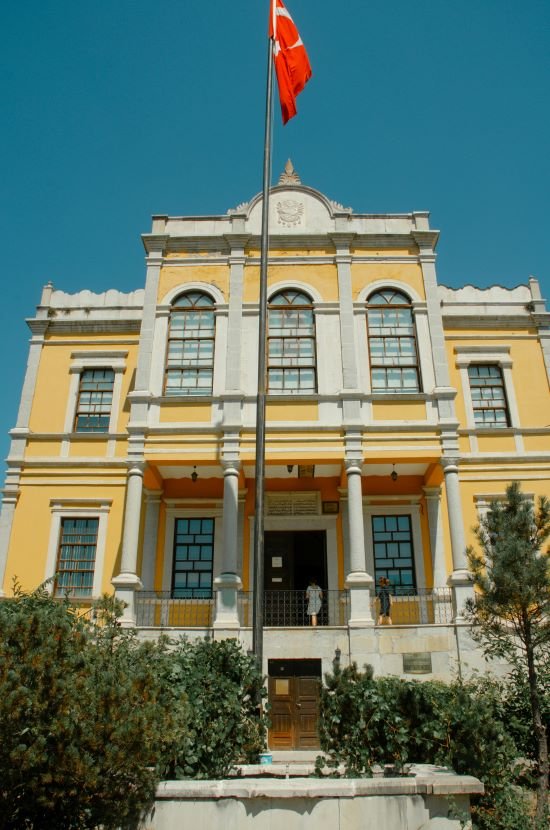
289	468
393	474
194	474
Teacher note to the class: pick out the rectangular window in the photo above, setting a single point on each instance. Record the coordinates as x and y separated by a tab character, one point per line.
193	559
76	557
393	352
291	351
488	396
190	359
393	553
95	398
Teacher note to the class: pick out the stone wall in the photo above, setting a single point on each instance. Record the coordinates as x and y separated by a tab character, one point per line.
430	799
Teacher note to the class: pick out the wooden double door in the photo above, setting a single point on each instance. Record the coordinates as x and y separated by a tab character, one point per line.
294	688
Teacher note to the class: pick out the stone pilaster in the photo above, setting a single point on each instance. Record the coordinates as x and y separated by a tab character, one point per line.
460	578
228	583
128	582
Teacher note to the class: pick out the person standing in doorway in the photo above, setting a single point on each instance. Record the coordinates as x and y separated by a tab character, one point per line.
314	597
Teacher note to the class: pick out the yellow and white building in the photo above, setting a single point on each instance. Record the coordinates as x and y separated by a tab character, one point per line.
397	408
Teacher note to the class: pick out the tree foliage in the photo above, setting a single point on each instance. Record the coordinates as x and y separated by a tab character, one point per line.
224	689
511	613
88	721
367	721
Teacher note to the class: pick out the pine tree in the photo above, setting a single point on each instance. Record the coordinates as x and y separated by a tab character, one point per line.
511	613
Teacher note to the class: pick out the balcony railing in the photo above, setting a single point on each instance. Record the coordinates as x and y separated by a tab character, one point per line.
419	608
287	609
159	609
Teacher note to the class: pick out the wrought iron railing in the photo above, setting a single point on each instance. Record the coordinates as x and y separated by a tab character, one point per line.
289	608
418	607
159	609
285	609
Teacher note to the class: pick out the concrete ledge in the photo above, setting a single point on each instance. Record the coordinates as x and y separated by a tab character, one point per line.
423	781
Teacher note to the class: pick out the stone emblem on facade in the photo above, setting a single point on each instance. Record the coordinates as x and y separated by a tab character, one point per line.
290	212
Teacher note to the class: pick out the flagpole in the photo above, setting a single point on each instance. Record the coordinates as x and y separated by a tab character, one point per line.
258	605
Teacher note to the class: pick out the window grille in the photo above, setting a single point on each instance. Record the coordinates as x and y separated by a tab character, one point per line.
193	559
76	557
392	343
95	399
393	553
488	396
291	344
190	358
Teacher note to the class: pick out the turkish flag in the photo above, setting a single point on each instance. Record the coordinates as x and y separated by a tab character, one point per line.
291	60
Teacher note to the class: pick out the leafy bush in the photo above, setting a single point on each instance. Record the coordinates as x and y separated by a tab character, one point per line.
88	721
367	721
224	689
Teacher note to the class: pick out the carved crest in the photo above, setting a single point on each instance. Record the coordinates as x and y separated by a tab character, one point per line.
289	175
290	212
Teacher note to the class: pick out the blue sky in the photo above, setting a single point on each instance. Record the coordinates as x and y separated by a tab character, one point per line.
113	111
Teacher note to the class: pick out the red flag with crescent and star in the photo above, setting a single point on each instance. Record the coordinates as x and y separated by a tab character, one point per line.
291	61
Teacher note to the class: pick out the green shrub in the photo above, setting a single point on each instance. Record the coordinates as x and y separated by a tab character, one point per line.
88	723
224	689
367	721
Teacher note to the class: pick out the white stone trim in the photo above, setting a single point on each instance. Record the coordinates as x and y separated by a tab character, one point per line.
173	513
80	361
406	508
74	508
487	354
187	287
398	285
297	285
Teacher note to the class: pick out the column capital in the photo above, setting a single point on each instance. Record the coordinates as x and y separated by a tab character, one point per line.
450	464
231	468
432	492
353	466
136	468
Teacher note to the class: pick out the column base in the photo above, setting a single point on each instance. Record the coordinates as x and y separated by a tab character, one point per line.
126	585
227	587
463	588
360	585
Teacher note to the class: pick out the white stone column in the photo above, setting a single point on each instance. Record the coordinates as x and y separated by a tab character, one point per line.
128	582
358	580
228	583
441	594
433	506
460	578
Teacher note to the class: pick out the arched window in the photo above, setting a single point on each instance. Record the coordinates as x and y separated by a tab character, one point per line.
190	358
392	343
291	344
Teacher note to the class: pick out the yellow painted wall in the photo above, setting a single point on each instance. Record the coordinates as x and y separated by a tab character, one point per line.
363	274
292	411
496	443
41	449
54	379
322	277
529	376
531	383
52	389
173	277
185	412
31	529
399	411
